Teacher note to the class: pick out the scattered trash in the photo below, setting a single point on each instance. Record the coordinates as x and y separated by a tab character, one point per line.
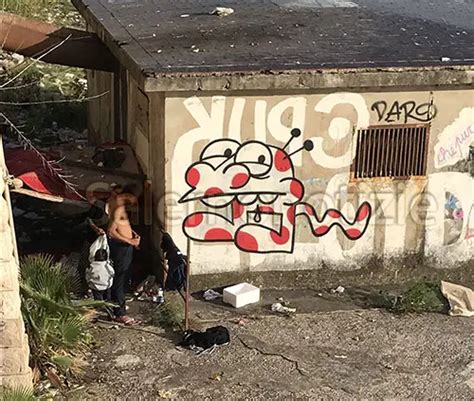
184	15
339	290
217	376
222	11
340	356
460	298
241	294
320	294
150	290
240	321
165	394
210	295
280	299
111	157
278	307
445	59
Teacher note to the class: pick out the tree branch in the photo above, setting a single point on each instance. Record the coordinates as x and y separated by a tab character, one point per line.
34	62
52	166
79	100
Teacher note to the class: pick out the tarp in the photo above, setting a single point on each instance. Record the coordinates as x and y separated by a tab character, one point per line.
28	166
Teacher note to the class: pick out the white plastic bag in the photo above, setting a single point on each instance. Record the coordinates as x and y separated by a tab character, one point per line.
100	243
99	274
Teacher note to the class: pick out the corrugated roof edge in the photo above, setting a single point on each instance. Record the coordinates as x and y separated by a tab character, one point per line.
329	79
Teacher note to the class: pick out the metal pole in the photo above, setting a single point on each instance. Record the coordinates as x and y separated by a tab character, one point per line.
186	299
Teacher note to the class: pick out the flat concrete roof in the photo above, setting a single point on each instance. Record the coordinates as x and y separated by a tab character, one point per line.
170	38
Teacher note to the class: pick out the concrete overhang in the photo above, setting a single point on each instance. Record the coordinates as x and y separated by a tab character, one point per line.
324	79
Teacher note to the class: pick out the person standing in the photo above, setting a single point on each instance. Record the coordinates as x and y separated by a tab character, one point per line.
122	241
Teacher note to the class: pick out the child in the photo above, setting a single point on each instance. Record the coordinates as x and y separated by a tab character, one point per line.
175	277
100	274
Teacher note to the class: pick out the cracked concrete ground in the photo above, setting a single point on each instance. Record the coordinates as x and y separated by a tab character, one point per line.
343	354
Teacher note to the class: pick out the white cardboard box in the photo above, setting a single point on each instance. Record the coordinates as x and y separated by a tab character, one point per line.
241	294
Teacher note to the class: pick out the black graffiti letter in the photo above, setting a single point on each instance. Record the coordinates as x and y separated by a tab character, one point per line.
408	108
380	107
425	112
394	111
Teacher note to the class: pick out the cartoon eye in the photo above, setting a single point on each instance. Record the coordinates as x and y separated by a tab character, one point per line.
220	148
256	157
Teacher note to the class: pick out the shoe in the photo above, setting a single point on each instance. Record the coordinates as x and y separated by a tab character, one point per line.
159	298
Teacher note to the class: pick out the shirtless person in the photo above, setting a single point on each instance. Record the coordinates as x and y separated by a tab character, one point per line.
122	240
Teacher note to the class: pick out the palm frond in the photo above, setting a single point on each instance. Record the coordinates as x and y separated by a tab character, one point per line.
44	301
71	329
57	325
62	362
17	394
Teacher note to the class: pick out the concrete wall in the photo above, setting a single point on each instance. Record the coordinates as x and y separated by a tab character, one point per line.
14	351
431	215
100	111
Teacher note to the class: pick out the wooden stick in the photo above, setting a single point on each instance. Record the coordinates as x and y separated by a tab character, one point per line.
188	270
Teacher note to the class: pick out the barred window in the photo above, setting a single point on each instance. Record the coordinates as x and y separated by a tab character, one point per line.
396	151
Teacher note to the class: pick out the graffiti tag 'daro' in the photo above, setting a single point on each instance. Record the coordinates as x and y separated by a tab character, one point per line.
256	182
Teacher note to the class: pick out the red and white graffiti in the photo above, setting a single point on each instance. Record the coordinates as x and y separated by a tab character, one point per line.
256	198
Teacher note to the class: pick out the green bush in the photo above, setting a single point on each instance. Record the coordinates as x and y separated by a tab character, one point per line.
61	12
170	315
17	394
57	327
421	297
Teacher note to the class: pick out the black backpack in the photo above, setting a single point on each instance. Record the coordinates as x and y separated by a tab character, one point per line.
213	336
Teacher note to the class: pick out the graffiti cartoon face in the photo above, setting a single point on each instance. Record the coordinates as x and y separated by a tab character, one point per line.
256	197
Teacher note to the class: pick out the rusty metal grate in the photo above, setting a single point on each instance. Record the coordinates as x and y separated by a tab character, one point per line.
391	151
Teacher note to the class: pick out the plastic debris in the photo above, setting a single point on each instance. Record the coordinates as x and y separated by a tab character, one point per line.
210	295
278	307
217	376
166	394
445	59
222	11
460	298
339	290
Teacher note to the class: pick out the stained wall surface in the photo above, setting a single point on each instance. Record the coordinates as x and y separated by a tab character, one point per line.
14	350
233	190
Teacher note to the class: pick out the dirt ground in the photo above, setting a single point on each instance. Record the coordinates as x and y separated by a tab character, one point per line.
334	349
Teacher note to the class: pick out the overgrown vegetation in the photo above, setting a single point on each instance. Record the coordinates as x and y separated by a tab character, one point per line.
40	83
57	326
17	394
53	11
421	297
170	315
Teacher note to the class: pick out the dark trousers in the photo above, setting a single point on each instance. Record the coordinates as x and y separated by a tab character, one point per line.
121	255
105	295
